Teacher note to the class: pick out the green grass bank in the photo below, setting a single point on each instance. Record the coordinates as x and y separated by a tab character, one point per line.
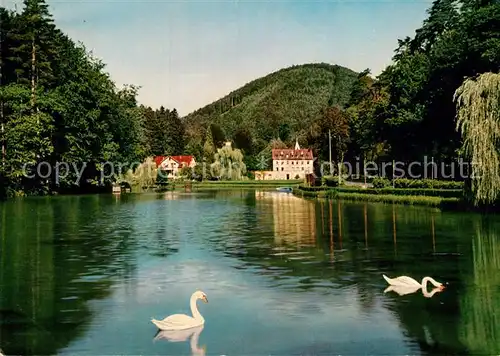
445	199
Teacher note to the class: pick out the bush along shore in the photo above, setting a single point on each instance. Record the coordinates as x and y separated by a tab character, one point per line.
444	195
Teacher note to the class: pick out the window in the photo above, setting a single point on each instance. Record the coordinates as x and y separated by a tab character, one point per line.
281	168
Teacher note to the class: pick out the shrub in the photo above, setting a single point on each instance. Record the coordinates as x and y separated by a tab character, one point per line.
427	184
331	181
445	193
380	182
311	189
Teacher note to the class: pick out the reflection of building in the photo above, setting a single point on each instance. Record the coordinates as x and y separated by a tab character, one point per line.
294	218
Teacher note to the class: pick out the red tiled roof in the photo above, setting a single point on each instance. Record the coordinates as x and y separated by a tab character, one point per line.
181	160
159	159
289	154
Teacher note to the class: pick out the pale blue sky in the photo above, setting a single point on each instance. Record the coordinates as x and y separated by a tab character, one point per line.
186	54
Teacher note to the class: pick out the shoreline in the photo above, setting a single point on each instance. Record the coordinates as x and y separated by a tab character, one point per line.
237	184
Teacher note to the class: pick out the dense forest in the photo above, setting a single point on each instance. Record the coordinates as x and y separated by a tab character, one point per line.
58	104
59	107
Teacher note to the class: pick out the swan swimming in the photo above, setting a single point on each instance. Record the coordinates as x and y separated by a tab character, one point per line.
405	281
183	321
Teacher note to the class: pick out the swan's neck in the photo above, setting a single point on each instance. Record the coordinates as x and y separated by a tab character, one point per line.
427	294
429	279
194	309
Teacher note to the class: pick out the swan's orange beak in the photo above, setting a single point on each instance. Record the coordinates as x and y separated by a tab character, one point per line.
441	287
205	299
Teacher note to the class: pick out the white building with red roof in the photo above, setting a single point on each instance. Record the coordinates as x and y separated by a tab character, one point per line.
292	163
172	165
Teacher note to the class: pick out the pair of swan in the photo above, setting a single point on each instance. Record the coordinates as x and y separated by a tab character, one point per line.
401	285
405	285
183	321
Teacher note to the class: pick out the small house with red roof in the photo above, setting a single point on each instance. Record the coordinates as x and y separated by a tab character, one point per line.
172	165
293	163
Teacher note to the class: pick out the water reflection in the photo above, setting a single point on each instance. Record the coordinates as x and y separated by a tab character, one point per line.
75	272
294	219
360	266
404	290
58	254
183	335
480	302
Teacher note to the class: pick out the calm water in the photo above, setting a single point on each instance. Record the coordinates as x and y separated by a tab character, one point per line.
283	275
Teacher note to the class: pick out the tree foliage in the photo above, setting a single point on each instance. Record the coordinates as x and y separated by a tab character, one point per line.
282	105
228	164
59	106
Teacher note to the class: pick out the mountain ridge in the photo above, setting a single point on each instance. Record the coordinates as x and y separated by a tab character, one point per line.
282	104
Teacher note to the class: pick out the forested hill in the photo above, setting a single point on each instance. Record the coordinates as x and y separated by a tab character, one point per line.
283	105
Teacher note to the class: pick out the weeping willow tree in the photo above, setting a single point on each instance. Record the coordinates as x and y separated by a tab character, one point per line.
228	164
478	121
143	176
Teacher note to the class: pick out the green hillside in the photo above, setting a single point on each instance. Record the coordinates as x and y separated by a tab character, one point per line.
283	104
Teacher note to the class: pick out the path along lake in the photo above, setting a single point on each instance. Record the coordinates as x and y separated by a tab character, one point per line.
283	275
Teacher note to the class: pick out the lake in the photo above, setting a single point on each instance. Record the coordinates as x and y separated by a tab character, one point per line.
283	275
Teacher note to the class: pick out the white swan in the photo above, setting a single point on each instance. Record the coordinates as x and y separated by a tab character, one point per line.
182	335
405	281
183	321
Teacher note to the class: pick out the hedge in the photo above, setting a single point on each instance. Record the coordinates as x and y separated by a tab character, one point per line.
445	193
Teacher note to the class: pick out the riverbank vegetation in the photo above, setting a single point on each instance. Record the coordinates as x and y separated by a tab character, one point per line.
444	199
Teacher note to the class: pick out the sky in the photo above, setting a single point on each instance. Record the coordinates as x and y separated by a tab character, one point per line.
187	54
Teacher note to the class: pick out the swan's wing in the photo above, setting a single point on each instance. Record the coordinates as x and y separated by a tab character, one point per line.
402	281
402	290
407	280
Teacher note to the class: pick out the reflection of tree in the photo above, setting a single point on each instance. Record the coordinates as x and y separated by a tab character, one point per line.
480	302
56	255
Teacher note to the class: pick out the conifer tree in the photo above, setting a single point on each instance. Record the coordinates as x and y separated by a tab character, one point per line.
208	147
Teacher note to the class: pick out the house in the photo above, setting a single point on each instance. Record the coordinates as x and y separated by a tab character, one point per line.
293	163
172	165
